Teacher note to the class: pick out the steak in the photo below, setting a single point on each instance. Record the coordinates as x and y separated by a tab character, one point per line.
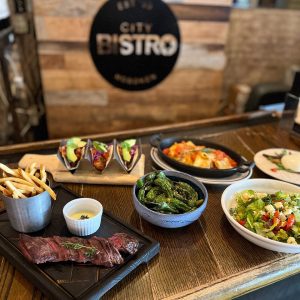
96	250
112	253
124	243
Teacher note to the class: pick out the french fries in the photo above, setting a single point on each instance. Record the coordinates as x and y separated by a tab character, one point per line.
5	191
27	177
8	170
43	174
16	192
32	169
21	184
24	187
44	186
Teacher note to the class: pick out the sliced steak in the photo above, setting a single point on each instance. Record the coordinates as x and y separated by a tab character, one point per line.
98	251
112	253
102	256
38	249
64	253
124	243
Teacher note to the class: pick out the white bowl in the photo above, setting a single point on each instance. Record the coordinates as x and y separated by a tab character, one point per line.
259	185
86	226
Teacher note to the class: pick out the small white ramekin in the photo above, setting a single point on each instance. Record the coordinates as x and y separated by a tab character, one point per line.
86	226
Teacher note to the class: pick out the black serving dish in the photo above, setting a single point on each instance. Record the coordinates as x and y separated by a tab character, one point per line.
163	143
68	280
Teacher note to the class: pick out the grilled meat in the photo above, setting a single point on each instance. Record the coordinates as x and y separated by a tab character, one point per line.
96	250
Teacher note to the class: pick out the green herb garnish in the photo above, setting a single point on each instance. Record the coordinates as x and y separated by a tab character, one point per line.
90	251
84	217
100	146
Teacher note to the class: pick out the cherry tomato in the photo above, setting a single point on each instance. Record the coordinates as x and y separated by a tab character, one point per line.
166	151
265	217
194	156
178	150
219	154
290	222
242	222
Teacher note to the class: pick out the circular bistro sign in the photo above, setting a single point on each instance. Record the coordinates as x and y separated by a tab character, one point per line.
134	43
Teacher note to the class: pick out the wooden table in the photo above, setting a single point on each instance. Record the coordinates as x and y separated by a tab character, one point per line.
207	259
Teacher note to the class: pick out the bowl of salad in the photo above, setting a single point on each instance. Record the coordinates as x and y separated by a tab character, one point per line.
266	212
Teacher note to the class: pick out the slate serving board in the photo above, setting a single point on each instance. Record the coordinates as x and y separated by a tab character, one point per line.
67	280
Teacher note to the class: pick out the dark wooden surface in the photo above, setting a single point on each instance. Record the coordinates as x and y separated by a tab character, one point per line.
207	259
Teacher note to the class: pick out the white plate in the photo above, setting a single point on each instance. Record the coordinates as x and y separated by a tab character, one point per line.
214	181
259	185
266	166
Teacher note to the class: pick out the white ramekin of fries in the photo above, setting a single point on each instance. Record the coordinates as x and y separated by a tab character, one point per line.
27	197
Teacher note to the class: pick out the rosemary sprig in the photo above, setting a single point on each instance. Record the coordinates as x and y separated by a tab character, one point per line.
90	251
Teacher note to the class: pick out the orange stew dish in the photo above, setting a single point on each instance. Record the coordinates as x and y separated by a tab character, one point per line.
199	156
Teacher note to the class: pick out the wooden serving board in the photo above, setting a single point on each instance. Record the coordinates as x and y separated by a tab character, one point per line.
114	174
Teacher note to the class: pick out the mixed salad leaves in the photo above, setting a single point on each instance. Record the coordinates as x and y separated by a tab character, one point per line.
274	216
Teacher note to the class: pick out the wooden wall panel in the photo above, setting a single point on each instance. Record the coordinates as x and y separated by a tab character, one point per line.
90	115
88	8
191	91
193	81
65	57
78	30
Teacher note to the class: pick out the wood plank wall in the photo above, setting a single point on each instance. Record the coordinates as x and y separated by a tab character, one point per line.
80	101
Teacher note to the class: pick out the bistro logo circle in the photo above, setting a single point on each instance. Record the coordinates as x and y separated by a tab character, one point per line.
134	43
